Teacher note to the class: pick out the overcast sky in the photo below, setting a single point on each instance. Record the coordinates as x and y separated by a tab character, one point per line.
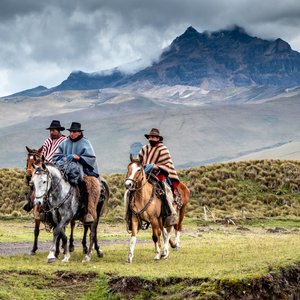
42	42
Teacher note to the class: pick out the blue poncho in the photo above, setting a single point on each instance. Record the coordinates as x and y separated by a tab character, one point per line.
81	147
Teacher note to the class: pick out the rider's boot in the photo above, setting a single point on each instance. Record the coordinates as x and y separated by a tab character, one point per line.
169	215
29	204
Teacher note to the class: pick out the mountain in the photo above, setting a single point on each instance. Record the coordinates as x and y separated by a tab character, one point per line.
212	60
208	60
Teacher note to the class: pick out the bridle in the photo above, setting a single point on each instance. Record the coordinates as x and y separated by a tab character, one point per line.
45	196
134	188
35	155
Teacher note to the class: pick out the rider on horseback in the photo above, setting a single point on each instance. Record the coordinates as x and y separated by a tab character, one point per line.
157	159
49	147
78	149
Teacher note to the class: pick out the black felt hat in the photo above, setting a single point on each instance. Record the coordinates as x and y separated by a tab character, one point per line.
75	126
55	124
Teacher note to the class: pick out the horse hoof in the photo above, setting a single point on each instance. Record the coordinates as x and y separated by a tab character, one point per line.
32	253
86	259
71	248
100	253
129	260
51	260
157	258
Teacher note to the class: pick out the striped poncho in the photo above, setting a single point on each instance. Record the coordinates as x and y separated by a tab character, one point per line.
160	156
50	146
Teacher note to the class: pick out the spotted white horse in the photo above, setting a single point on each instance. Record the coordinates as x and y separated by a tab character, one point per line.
63	201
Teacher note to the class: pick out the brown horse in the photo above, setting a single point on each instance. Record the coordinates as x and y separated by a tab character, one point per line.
32	156
145	206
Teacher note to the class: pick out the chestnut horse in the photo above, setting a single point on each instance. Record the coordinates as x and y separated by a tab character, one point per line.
145	205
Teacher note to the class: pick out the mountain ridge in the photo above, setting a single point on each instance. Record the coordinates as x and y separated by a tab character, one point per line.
211	60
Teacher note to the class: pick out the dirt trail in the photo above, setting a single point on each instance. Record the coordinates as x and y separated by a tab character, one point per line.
7	249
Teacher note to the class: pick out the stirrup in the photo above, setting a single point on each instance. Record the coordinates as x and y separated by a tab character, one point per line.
170	221
88	218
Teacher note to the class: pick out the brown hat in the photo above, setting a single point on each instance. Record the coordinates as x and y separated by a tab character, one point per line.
55	124
154	132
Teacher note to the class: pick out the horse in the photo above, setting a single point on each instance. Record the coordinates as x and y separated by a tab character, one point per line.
64	203
32	156
145	205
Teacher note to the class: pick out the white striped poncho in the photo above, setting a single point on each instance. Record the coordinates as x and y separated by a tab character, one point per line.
160	156
50	146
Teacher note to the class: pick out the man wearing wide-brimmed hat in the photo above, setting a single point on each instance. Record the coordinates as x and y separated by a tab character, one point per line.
51	144
156	157
78	149
48	149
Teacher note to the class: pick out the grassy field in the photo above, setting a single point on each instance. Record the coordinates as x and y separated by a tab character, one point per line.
241	238
212	255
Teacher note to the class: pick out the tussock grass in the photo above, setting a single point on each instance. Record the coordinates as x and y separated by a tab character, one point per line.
247	189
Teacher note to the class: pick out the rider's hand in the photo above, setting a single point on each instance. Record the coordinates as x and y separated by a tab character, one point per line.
155	167
76	157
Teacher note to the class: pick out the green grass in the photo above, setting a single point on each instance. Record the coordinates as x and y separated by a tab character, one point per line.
216	253
258	195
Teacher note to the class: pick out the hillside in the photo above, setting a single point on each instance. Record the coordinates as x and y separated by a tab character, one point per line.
235	191
195	134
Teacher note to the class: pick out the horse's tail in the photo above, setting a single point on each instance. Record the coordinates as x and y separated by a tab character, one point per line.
104	196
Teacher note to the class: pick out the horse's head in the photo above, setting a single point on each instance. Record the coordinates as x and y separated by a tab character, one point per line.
32	156
41	180
135	173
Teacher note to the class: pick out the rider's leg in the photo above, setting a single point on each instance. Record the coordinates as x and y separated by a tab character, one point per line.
93	192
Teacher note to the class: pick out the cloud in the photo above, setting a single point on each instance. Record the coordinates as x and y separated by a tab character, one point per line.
40	40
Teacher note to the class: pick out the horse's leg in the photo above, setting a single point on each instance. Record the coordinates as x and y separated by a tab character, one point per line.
132	243
178	227
36	236
156	233
166	235
65	246
185	194
57	251
71	242
99	209
97	248
53	249
83	242
58	233
88	256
